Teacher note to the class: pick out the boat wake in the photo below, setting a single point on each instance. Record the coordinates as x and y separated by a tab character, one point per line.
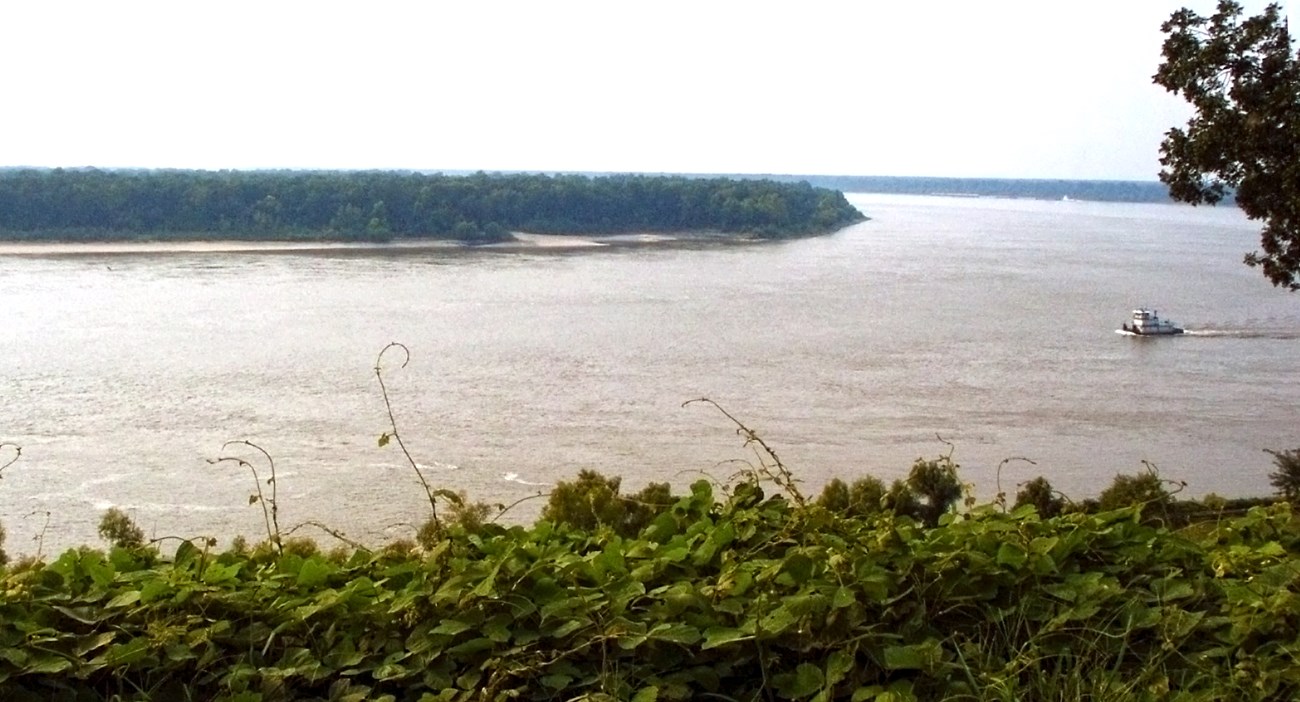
1255	333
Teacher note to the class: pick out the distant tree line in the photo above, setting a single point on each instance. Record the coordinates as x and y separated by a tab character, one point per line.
1021	188
1006	188
90	204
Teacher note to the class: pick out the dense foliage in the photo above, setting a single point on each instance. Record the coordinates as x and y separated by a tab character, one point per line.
380	206
1242	79
753	597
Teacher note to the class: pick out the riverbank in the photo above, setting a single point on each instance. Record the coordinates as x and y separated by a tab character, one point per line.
519	241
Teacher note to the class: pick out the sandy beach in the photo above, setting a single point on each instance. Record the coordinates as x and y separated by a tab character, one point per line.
522	241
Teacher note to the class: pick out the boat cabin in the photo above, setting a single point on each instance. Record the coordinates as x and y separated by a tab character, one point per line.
1147	321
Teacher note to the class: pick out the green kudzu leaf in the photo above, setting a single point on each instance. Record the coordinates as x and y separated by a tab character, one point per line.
390	671
154	590
1271	549
252	499
471	646
1172	589
902	658
469	680
557	682
48	665
922	656
1010	554
383	439
1179	623
217	573
798	568
314	572
719	537
129	597
85	615
676	633
101	572
869	692
778	620
804	681
451	627
179	652
568	627
498	628
838	665
91	642
721	636
16	656
127	653
1043	544
186	552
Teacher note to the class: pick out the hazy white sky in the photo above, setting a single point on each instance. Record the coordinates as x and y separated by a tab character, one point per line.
1014	88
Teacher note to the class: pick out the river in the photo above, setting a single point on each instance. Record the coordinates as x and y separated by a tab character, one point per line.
981	326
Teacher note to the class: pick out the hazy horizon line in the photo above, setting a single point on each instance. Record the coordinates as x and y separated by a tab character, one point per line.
528	171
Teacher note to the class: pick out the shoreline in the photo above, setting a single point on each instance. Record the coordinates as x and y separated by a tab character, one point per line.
522	241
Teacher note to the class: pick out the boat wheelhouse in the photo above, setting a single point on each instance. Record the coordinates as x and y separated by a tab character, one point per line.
1147	322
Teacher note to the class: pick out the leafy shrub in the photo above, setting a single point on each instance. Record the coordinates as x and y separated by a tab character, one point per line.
641	507
26	564
401	548
1214	502
339	554
866	496
902	501
592	501
1141	490
119	530
460	513
936	484
1039	493
430	533
1286	479
835	496
265	551
18	452
301	546
585	503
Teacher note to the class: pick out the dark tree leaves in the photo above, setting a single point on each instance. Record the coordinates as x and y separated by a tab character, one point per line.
1242	78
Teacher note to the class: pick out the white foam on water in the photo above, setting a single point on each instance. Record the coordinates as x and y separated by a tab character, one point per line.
437	465
1277	333
514	478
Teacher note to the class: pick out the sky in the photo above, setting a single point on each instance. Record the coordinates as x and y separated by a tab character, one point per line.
1007	89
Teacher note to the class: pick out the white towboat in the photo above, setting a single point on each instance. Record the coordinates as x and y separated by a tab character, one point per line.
1148	323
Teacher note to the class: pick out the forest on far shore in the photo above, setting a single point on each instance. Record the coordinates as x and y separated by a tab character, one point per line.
378	206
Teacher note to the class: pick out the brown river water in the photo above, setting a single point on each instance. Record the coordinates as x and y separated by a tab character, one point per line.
987	324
